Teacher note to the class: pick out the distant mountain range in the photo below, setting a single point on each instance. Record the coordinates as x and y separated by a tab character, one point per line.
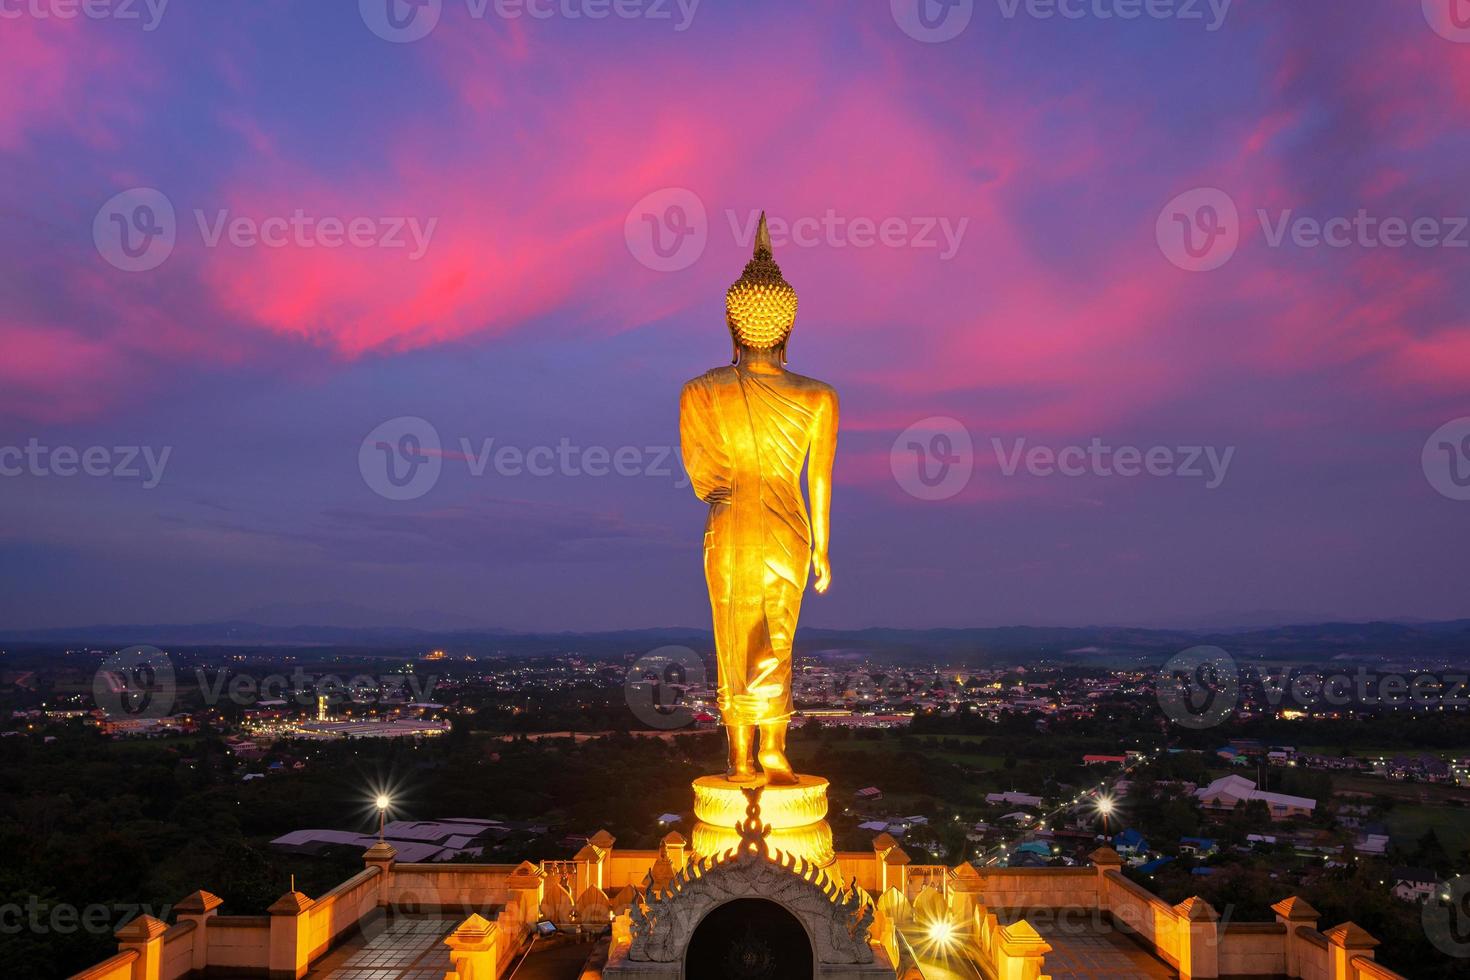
1385	641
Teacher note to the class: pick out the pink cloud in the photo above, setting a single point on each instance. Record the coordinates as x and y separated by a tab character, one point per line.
68	75
51	375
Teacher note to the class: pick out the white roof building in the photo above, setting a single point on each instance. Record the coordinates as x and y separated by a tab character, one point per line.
1228	791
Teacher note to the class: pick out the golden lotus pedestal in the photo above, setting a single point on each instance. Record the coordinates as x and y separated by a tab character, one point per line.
797	816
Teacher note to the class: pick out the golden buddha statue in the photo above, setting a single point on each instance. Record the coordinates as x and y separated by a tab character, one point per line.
746	429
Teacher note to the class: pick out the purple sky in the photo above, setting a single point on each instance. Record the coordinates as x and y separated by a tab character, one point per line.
326	226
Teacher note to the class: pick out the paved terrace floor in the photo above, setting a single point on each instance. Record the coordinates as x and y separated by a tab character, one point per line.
413	948
1083	949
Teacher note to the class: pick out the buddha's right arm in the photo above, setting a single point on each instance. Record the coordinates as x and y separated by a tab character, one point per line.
695	443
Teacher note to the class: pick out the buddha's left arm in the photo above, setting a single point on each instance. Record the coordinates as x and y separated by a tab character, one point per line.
819	484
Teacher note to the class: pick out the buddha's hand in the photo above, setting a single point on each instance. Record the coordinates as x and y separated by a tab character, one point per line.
719	495
823	568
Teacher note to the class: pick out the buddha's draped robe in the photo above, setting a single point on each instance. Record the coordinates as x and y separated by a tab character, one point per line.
738	431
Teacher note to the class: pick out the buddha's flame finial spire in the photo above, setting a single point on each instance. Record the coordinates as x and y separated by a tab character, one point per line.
763	239
761	306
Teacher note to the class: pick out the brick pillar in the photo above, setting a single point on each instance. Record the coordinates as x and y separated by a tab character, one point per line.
145	935
526	890
964	890
1346	942
290	944
1105	859
675	844
199	908
602	843
472	949
592	863
382	856
882	844
896	870
1022	952
1296	914
1199	933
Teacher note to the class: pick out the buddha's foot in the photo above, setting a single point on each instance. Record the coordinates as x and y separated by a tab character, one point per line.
773	755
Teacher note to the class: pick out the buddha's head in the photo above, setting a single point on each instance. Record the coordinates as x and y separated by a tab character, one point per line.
761	306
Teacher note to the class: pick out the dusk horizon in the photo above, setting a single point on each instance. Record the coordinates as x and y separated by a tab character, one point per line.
1111	352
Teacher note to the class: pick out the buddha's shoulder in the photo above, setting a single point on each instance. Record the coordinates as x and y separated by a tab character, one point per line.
712	376
817	388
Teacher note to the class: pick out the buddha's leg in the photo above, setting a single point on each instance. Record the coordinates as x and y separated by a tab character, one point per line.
741	765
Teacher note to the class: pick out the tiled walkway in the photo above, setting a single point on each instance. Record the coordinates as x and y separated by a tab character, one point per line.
413	949
1104	954
397	949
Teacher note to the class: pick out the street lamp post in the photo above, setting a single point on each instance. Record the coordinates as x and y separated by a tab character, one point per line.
382	803
1105	807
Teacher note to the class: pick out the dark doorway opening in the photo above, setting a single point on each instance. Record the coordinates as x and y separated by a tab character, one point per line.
749	939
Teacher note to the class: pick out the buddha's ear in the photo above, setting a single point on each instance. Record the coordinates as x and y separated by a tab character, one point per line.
734	350
782	350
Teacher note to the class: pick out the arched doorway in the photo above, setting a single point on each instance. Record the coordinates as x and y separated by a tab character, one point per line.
749	939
